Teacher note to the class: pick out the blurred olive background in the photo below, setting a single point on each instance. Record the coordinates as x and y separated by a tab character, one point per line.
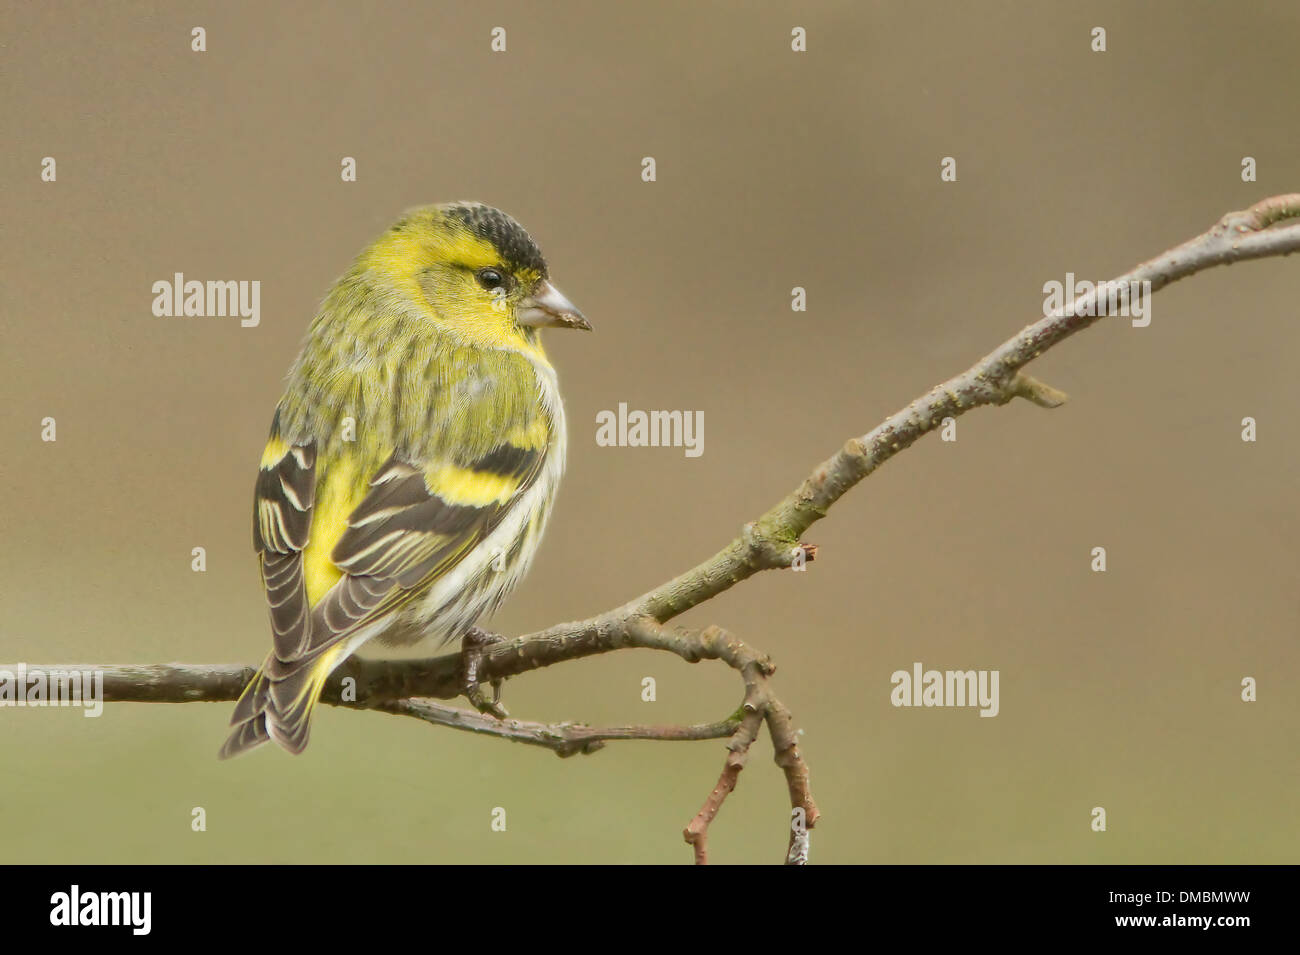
775	170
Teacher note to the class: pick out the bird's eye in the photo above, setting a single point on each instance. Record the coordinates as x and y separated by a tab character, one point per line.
490	278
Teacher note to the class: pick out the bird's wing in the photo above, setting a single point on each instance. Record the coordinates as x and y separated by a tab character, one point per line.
283	504
339	554
417	522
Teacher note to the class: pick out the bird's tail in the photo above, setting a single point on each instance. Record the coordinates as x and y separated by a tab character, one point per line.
278	702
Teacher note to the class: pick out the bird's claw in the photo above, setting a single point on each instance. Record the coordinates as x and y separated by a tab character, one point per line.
472	648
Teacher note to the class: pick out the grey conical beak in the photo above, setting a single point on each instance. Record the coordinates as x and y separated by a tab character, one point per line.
548	308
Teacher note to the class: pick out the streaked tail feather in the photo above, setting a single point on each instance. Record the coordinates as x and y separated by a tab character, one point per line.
249	734
249	718
278	703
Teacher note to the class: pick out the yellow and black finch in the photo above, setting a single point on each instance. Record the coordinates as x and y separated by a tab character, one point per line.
413	458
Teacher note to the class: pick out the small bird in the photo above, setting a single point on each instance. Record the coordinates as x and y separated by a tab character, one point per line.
412	461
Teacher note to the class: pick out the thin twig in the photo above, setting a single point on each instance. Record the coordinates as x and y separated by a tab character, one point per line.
564	739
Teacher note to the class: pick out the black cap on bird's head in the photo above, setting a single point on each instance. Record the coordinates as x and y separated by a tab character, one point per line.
544	306
506	235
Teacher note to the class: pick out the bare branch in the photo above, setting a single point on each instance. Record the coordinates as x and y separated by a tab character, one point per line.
564	739
697	832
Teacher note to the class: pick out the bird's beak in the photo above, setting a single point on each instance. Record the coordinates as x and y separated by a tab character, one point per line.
546	307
